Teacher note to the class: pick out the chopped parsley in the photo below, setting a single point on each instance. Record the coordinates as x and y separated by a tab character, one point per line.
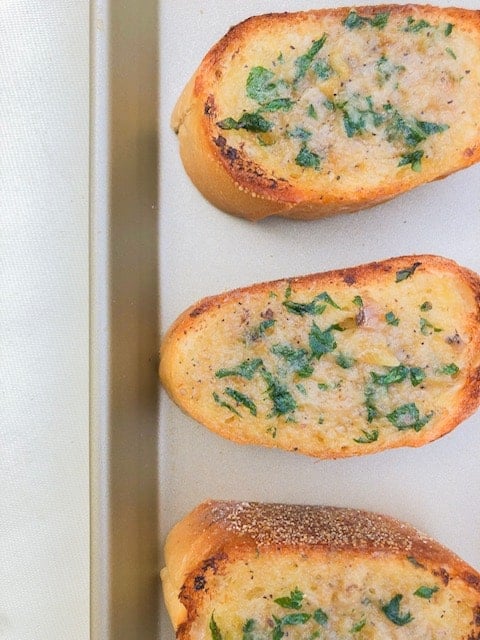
396	374
214	630
344	361
385	69
417	375
245	369
407	416
392	611
409	130
283	401
309	308
295	618
320	616
372	411
260	86
357	301
293	601
392	319
449	369
368	437
241	399
303	63
403	274
311	112
259	331
425	592
448	29
358	626
248	630
279	104
328	299
321	342
415	562
414	26
248	121
414	158
427	328
300	133
451	53
322	69
359	115
354	21
426	306
307	158
297	359
224	404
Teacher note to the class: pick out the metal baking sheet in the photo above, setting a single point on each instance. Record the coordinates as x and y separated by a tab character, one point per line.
158	246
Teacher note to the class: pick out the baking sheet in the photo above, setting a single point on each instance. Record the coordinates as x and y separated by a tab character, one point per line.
204	251
150	463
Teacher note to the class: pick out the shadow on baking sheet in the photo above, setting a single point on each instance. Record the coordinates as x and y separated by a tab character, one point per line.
133	308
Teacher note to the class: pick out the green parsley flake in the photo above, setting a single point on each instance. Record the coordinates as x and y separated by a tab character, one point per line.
427	328
248	121
224	404
392	611
248	630
321	342
303	63
415	26
283	401
396	374
320	617
245	369
293	601
354	21
241	399
425	592
392	319
358	626
214	630
344	361
407	416
450	369
403	274
368	437
297	359
307	158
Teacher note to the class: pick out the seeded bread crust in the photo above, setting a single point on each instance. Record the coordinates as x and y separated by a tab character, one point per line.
210	542
339	406
254	179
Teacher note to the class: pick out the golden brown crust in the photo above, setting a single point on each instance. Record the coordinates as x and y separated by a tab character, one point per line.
233	181
186	354
217	534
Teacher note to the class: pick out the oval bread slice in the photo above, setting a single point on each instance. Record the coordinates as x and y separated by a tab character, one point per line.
335	364
313	113
244	571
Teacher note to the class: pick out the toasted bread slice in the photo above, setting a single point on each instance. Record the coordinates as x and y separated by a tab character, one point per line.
242	571
313	113
334	364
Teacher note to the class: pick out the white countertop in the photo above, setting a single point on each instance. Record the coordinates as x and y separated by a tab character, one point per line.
44	504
